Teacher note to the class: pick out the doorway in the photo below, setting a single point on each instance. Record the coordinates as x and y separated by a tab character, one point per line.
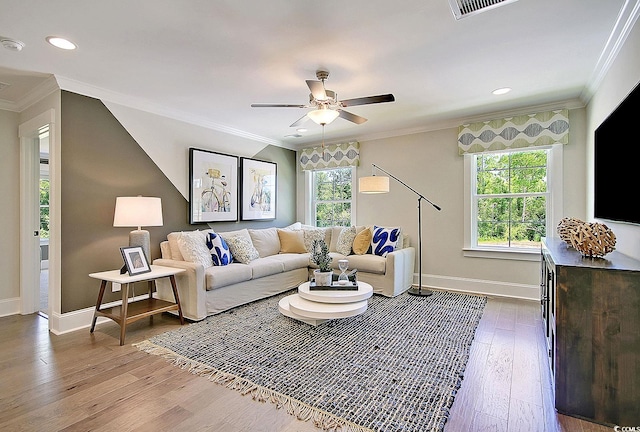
38	271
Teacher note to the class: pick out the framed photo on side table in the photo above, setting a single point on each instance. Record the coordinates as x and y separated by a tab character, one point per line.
213	186
134	260
259	189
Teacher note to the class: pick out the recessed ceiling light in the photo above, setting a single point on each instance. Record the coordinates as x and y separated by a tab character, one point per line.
61	43
301	130
501	91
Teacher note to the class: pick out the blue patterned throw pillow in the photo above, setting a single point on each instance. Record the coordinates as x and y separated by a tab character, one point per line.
220	253
384	240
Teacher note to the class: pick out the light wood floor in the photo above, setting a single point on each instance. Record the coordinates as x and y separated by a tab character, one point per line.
81	381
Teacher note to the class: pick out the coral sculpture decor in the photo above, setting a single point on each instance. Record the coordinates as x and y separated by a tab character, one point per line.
591	239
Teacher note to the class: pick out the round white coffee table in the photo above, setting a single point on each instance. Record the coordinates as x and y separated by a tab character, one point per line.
316	307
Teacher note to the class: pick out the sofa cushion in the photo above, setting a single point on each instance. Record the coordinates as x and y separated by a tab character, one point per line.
266	241
242	249
311	234
172	238
335	233
291	241
241	232
219	250
362	241
266	267
294	226
368	263
292	261
345	240
384	240
220	276
193	247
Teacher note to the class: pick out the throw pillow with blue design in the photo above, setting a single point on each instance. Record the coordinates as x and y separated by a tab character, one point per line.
220	253
384	240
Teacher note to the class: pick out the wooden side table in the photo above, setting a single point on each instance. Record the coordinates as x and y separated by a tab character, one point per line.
128	312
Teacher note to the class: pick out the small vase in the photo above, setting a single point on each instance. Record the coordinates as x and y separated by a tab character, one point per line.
323	278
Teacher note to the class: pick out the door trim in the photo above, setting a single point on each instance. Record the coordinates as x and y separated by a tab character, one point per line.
30	210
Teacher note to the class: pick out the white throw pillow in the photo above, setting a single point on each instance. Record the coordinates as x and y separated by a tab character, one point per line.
384	240
345	240
193	247
266	241
313	234
242	249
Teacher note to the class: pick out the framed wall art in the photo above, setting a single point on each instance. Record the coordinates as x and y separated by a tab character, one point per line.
213	186
259	189
135	261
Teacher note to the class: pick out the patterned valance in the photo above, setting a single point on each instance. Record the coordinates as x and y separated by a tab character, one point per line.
333	156
523	131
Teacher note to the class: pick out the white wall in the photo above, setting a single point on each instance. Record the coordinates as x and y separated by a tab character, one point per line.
621	78
9	213
429	163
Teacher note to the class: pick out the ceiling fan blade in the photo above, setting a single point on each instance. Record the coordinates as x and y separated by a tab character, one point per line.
277	106
368	100
300	121
352	117
317	89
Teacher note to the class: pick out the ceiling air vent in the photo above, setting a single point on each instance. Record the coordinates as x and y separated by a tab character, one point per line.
465	8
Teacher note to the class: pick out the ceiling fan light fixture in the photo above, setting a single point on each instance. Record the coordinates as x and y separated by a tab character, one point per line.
323	116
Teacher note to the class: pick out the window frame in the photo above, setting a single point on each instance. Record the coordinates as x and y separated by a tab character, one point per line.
310	213
554	207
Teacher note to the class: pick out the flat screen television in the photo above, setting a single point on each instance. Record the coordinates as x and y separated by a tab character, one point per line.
617	163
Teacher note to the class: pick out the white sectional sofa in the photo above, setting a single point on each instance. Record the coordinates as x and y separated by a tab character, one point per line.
206	289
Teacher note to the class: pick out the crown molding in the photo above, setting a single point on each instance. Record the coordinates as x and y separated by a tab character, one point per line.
569	104
624	24
146	106
34	95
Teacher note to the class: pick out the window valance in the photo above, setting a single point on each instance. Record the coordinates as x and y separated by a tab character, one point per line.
332	156
540	129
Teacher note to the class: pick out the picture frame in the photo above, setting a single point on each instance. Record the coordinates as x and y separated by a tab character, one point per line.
135	261
213	186
259	189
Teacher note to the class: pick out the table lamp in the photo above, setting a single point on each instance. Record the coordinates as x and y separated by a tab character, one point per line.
137	212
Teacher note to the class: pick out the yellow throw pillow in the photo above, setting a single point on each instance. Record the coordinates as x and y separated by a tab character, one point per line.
362	242
291	241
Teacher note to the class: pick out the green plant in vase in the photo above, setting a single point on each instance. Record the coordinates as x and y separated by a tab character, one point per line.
320	257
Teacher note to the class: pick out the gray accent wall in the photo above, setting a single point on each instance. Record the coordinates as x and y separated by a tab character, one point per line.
10	209
101	161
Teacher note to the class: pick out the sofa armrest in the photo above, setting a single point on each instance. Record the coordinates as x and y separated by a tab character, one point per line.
191	288
400	264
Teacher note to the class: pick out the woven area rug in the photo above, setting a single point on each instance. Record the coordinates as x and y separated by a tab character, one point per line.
396	367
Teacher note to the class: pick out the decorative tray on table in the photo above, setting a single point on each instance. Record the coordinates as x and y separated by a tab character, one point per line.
351	285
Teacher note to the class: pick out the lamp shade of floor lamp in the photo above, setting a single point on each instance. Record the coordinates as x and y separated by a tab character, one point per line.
138	212
380	184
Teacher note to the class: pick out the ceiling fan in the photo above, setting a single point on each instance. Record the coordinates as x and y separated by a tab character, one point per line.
325	103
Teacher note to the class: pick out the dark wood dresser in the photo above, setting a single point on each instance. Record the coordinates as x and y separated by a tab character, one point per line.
591	314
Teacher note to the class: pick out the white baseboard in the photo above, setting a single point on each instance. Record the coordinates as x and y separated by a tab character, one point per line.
81	318
478	286
10	306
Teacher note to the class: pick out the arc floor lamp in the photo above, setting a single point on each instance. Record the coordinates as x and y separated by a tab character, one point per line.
380	184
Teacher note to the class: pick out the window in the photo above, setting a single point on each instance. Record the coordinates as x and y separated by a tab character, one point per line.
332	201
44	208
511	198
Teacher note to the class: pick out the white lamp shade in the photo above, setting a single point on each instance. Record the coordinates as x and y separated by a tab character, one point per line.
373	184
137	211
323	115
